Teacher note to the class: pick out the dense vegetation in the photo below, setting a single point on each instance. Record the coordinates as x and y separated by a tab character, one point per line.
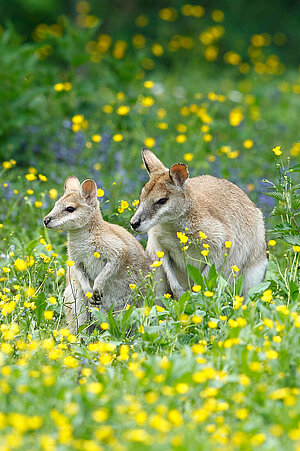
82	90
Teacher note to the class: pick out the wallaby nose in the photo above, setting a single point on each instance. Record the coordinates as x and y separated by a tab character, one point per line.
135	224
47	219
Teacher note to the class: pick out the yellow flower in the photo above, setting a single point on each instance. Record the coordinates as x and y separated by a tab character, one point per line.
100	192
53	193
70	263
175	417
58	87
118	137
132	286
78	119
52	300
147	101
96	138
180	139
70	362
197	319
248	143
167	295
156	264
182	237
141	329
107	109
30	177
228	244
38	204
196	288
188	157
104	326
235	268
202	235
6	269
272	243
296	248
94	387
48	314
182	388
160	254
149	142
89	295
205	253
96	254
271	354
7	164
236	117
277	150
20	264
30	192
43	178
148	84
123	110
60	272
242	414
212	324
100	415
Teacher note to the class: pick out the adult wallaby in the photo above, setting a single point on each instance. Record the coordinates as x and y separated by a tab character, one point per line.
122	259
171	202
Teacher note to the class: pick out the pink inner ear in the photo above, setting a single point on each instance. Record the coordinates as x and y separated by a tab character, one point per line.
179	173
89	191
88	187
72	184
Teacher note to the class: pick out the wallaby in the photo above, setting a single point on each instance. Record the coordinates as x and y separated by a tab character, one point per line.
171	202
122	260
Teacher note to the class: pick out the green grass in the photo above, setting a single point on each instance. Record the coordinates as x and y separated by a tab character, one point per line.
208	371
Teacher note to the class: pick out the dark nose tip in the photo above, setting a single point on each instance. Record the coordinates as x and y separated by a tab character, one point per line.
47	219
135	224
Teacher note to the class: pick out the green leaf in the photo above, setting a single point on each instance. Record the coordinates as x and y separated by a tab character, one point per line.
113	327
195	275
239	285
31	245
295	168
292	239
40	302
294	290
259	288
212	277
275	195
98	315
279	210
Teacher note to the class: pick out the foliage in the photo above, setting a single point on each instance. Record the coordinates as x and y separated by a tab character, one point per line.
210	370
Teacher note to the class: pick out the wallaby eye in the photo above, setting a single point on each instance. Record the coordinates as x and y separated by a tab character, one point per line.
161	201
70	209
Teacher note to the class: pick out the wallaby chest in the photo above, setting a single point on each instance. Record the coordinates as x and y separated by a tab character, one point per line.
82	251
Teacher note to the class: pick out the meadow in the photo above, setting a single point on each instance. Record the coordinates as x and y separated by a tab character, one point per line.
82	95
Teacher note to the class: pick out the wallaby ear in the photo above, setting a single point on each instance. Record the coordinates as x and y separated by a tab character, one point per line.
179	173
72	184
89	191
151	162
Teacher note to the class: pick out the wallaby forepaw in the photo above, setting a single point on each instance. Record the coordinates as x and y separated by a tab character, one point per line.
97	296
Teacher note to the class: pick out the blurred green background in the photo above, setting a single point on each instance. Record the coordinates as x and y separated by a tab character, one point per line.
84	85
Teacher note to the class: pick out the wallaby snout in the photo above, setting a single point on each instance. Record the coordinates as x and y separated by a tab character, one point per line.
47	220
135	223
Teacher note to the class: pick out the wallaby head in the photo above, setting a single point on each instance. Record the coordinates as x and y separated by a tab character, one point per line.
76	207
163	198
